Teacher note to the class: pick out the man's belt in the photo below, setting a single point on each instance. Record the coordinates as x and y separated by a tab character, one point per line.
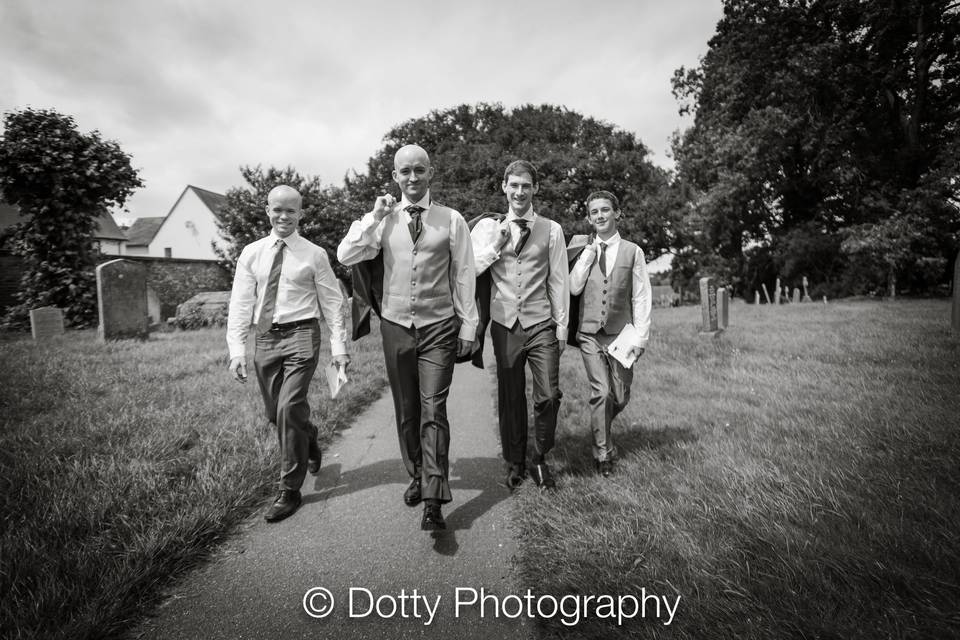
287	326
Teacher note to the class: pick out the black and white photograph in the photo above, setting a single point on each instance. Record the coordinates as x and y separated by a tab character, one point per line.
543	320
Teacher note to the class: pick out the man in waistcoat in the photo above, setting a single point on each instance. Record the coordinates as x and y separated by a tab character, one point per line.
282	283
428	317
610	275
529	299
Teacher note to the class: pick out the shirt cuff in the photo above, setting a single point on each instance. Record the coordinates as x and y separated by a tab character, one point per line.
562	334
338	348
468	333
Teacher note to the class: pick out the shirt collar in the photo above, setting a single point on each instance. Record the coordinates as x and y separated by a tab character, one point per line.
529	216
291	240
424	202
612	241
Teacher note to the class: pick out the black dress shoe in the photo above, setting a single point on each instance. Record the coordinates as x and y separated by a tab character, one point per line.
541	474
605	468
432	518
412	497
314	457
286	504
514	476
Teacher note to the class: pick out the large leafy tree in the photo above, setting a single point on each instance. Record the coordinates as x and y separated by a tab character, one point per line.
818	121
243	219
471	145
61	180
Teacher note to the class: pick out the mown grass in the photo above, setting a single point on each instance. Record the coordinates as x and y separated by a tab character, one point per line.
121	464
796	477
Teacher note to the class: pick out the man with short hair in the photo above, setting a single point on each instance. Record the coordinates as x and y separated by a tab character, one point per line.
529	300
428	317
610	276
281	284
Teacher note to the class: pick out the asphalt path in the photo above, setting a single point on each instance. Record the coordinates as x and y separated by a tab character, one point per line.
355	538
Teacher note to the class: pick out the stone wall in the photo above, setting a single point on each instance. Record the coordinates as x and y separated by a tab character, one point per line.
174	281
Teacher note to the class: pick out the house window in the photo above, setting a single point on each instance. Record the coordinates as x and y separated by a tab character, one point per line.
167	252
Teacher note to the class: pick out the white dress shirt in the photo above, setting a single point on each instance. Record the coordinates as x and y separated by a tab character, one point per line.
486	235
363	242
641	302
307	286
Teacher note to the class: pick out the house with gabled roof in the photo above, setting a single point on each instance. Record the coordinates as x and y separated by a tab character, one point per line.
188	231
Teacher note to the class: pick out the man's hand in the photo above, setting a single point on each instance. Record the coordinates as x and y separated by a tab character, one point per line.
464	347
590	251
238	367
635	352
342	361
503	234
561	344
383	206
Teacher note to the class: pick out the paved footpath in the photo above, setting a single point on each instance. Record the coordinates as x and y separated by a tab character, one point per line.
353	532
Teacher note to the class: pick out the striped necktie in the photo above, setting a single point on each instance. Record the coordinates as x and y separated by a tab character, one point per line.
603	258
416	224
524	234
270	294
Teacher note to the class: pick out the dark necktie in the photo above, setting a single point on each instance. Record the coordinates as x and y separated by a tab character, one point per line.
603	258
416	224
524	234
270	295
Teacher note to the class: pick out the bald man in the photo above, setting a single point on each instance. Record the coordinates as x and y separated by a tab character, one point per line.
428	317
281	285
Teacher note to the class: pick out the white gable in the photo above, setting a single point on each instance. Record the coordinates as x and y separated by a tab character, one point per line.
188	231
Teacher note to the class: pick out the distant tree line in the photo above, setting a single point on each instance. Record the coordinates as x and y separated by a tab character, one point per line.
825	144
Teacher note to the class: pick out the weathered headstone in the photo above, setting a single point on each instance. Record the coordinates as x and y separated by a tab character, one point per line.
756	297
708	306
122	300
766	294
46	323
776	292
806	294
955	315
723	308
796	295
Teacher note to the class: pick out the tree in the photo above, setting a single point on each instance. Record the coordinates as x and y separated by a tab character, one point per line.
471	145
815	118
243	219
61	180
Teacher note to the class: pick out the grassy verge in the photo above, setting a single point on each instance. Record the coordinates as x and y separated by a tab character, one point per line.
795	478
121	463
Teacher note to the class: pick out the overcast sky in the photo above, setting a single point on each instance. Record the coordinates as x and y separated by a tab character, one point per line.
194	89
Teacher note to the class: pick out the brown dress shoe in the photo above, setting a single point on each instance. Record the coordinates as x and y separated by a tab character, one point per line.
286	504
412	496
432	518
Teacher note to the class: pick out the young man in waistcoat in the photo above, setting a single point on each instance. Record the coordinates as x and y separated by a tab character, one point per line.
282	283
428	317
610	276
529	300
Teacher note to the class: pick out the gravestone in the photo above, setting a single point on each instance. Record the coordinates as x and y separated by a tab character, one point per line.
766	294
122	300
776	292
806	294
708	306
46	323
955	315
796	295
756	297
723	308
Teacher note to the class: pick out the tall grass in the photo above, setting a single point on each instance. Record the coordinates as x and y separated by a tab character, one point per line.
797	477
121	463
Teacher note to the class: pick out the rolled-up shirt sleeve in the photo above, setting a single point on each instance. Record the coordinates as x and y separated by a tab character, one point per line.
331	303
243	299
581	271
463	277
642	299
362	241
558	281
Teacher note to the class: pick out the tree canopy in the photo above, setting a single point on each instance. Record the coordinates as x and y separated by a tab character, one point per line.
61	180
825	128
471	145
